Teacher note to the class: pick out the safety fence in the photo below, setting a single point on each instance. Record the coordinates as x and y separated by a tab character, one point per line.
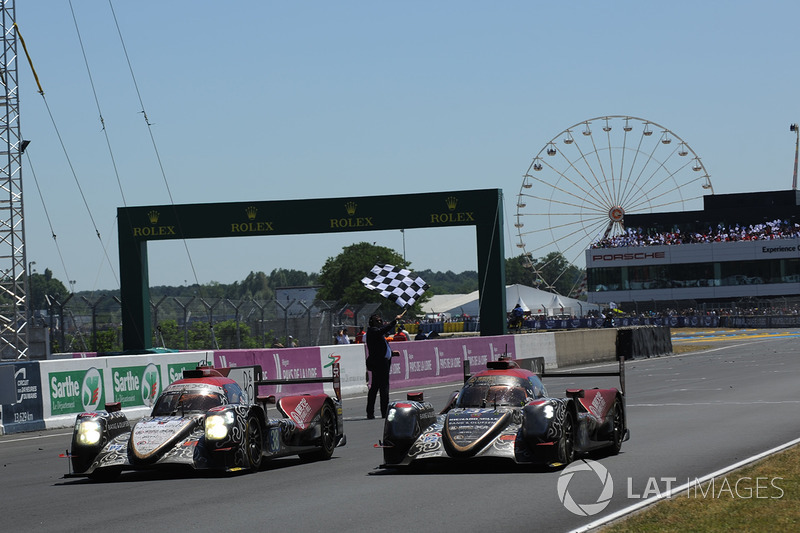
198	323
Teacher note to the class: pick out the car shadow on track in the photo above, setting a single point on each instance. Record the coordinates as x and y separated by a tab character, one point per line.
173	473
486	466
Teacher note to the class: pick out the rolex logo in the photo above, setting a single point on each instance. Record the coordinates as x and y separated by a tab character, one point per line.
351	208
153	216
251	212
451	202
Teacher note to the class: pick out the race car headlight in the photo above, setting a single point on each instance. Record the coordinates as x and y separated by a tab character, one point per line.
217	425
391	414
89	432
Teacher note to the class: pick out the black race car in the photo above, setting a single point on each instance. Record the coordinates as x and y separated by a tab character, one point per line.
207	421
506	412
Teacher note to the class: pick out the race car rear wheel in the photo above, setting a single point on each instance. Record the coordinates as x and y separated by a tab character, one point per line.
327	440
254	443
565	451
618	431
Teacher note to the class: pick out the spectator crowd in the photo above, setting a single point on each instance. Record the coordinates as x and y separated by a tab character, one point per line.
775	229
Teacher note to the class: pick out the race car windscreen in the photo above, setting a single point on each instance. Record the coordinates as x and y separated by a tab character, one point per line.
178	402
494	391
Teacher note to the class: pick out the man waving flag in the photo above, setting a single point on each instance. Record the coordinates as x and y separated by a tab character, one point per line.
395	283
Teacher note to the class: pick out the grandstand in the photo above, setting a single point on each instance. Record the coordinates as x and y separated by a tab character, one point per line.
740	247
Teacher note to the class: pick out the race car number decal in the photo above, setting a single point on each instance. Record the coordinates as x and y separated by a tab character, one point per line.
274	440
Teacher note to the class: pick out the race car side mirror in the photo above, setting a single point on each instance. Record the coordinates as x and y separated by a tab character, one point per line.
575	393
415	396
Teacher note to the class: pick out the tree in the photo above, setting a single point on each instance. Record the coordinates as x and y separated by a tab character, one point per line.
340	277
42	285
256	286
554	268
449	282
228	337
280	277
518	271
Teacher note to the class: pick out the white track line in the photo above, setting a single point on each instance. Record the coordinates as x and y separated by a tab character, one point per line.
650	501
37	437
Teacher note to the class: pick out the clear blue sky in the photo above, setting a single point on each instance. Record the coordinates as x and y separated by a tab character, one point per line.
269	100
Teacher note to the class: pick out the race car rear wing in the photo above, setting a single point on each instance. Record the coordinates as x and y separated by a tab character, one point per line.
334	378
250	377
536	365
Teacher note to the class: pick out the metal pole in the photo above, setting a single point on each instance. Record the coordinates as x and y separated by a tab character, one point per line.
795	129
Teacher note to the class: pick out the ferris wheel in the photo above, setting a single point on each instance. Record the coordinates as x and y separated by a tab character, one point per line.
584	181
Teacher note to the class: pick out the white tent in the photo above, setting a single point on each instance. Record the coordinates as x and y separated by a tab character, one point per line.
537	301
557	306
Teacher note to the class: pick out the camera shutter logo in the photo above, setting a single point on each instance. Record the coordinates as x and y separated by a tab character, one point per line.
586	509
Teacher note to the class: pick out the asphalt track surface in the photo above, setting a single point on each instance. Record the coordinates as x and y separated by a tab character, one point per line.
689	415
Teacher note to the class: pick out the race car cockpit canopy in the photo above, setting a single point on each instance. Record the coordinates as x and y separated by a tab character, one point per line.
495	391
186	401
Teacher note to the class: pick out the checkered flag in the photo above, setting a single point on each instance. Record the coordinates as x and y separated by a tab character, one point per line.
397	284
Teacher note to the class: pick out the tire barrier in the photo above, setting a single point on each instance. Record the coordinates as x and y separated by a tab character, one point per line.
643	341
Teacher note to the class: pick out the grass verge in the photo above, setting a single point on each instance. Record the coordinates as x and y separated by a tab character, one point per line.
767	499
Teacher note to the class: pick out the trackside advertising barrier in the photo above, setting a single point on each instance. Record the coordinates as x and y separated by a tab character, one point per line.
21	397
72	386
440	361
49	394
295	363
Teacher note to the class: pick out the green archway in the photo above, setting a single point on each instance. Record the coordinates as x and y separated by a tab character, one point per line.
138	225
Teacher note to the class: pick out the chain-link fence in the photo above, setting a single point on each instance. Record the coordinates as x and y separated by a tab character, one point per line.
183	323
80	324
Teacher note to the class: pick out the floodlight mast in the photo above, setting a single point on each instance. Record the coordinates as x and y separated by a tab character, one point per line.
14	283
794	128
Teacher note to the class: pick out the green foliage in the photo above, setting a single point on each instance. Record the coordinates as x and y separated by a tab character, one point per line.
340	277
109	340
168	335
228	337
200	337
554	268
41	285
449	282
281	277
518	271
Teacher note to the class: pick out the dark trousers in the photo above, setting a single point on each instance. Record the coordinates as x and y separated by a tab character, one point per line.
379	383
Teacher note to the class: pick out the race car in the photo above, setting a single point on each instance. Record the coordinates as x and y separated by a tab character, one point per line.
208	421
505	412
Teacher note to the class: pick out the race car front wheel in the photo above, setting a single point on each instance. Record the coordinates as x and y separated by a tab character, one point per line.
565	451
618	431
254	444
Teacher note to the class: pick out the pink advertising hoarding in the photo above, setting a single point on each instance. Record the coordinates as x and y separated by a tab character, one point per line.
290	363
440	361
